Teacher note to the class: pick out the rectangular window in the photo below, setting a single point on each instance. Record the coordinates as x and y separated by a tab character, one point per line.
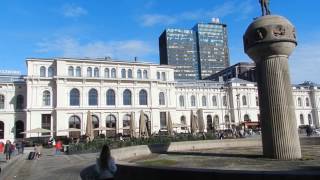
163	120
46	123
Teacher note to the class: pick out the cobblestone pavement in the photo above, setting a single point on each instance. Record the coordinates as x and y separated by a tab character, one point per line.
49	167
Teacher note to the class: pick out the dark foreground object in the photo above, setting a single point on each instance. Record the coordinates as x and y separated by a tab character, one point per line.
138	173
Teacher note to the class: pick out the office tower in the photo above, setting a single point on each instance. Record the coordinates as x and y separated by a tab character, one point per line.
196	53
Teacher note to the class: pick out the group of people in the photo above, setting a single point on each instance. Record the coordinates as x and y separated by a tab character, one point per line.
10	148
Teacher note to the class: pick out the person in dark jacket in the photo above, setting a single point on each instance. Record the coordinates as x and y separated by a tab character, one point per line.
8	150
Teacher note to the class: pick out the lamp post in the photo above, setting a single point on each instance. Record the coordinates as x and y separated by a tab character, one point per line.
238	107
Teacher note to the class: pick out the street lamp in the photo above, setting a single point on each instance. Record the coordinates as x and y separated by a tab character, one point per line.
238	107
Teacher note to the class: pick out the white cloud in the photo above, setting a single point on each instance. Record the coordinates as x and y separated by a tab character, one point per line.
70	47
153	19
240	7
72	11
304	63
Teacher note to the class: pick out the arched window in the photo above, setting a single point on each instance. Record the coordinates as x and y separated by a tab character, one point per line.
129	73
301	119
42	71
145	74
123	73
214	101
50	71
307	102
299	102
224	100
204	101
19	129
193	101
96	72
163	76
46	98
209	123
74	122
70	71
162	100
257	101
74	97
181	101
93	97
310	119
111	97
246	117
143	97
78	71
113	73
2	101
244	100
106	73
89	72
19	102
227	121
95	124
139	75
127	97
183	122
126	124
111	121
1	130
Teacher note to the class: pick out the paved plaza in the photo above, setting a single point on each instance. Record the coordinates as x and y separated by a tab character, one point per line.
50	166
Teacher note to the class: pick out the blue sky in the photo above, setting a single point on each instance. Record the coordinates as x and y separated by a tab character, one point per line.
123	29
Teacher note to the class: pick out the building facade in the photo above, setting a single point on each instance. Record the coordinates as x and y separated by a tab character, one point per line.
196	53
58	94
242	70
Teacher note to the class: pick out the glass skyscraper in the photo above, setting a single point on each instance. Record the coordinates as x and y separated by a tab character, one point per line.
196	53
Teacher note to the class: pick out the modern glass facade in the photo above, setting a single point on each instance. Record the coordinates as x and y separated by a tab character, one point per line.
213	50
196	53
178	47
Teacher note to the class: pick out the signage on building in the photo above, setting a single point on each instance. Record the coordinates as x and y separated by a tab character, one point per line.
9	72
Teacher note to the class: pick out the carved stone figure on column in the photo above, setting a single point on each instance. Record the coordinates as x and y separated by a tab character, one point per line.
265	7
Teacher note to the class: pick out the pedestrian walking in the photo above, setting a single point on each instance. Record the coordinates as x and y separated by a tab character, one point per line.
8	150
58	147
38	150
18	146
1	147
105	164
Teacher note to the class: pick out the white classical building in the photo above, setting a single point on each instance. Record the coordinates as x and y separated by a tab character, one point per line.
57	94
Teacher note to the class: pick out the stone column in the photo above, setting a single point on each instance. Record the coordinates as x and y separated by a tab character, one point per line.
269	41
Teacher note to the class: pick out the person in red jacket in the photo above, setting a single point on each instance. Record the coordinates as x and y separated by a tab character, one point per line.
1	147
58	147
